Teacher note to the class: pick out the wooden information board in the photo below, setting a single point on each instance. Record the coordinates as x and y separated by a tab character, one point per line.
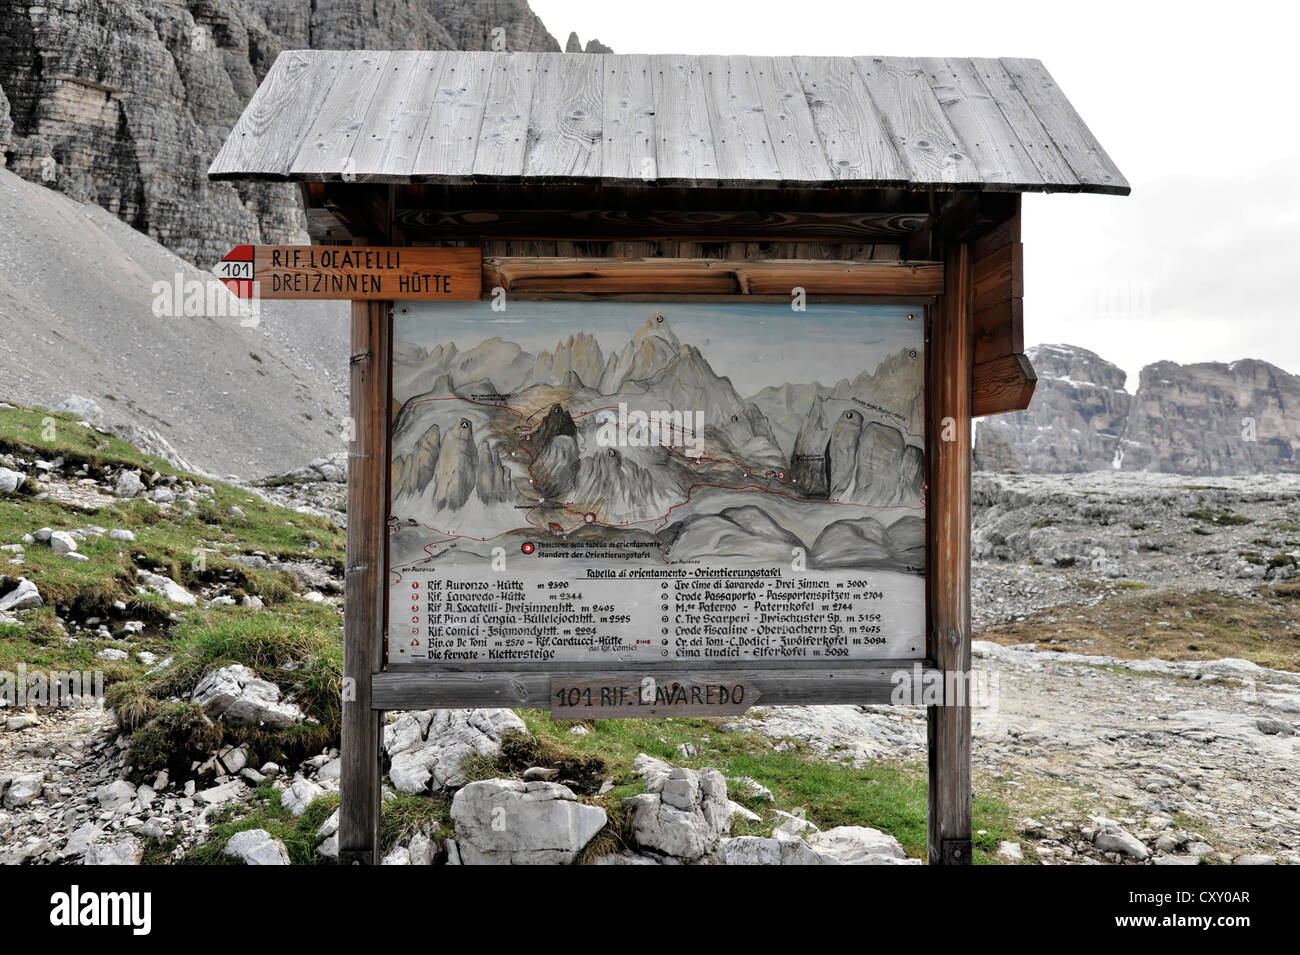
655	488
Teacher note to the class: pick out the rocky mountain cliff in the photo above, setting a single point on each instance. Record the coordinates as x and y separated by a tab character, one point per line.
123	103
120	105
1208	418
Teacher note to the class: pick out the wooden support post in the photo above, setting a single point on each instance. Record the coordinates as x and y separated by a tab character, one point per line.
948	438
363	616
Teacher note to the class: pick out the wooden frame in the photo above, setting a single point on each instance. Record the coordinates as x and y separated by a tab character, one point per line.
948	390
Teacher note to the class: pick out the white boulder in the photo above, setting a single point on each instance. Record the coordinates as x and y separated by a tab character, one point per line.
256	847
128	851
236	694
1111	837
128	484
426	748
168	588
859	845
299	796
23	790
115	795
23	597
755	850
684	814
61	542
10	481
509	822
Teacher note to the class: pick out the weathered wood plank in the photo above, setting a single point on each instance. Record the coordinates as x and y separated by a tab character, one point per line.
503	135
270	131
999	317
726	276
1003	385
948	579
790	124
1071	135
979	124
450	142
363	618
629	144
612	222
854	140
328	144
1004	233
422	687
564	131
999	276
926	140
999	330
741	140
1053	170
684	149
392	129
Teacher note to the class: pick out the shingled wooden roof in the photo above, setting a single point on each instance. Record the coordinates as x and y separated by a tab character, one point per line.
705	121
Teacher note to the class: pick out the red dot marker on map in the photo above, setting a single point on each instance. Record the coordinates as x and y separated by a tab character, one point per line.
528	547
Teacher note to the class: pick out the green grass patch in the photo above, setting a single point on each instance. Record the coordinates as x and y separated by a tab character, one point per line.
1222	518
885	795
298	833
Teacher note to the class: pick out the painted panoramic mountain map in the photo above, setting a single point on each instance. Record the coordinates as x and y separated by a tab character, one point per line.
602	482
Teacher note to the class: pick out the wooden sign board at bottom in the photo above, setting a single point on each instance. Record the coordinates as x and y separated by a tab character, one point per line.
643	696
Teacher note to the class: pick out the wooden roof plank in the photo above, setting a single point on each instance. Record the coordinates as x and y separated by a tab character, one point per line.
564	130
927	141
684	148
328	144
628	148
270	131
1053	170
390	135
741	140
660	120
1068	131
988	138
790	125
450	142
503	136
854	140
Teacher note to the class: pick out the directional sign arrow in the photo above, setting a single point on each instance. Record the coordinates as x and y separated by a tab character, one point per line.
376	273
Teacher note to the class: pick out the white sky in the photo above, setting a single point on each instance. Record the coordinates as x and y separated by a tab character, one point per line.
1193	101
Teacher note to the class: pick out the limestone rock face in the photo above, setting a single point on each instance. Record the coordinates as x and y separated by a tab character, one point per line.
472	25
6	126
1202	419
124	104
1214	418
1074	422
